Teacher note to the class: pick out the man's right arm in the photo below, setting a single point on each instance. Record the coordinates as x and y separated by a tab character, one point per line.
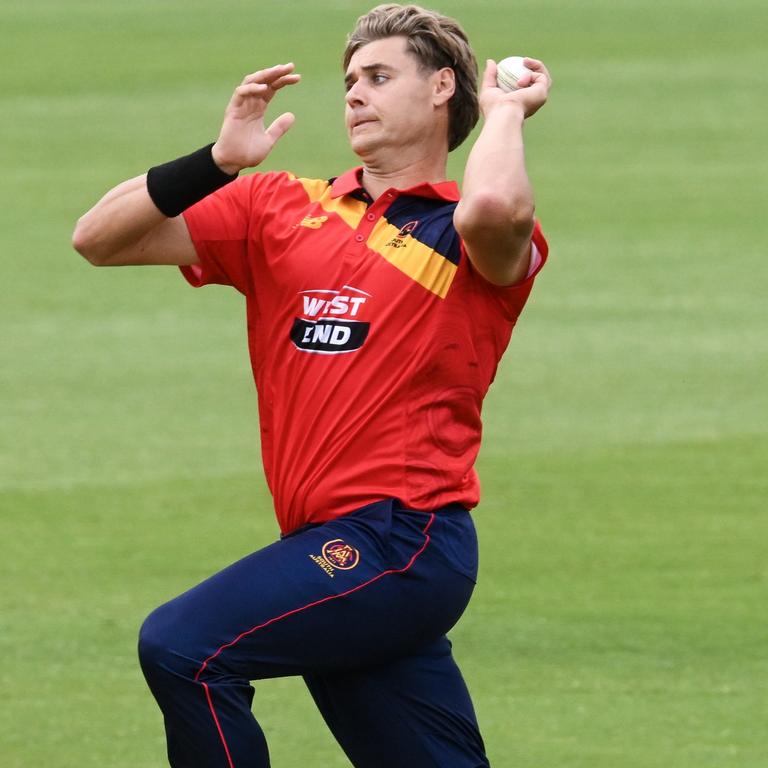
126	227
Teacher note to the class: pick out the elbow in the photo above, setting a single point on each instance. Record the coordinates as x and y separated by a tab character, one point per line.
86	244
490	211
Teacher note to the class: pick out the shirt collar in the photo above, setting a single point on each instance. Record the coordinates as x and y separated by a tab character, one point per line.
352	180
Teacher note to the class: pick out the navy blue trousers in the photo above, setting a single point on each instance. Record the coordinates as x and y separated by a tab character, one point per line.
358	607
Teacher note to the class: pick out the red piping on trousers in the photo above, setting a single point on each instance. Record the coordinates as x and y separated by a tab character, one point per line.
291	613
218	725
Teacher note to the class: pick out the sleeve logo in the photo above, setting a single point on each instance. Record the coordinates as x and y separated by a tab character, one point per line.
313	222
330	322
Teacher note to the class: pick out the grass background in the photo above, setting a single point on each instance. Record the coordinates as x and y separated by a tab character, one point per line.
620	618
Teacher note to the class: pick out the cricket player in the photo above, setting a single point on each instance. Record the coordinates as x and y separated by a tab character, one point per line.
379	303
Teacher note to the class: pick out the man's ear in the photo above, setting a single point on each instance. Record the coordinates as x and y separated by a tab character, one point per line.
444	85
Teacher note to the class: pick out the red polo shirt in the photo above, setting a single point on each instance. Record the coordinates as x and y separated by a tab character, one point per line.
372	339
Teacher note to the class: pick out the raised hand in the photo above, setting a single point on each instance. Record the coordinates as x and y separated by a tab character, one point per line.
243	141
532	90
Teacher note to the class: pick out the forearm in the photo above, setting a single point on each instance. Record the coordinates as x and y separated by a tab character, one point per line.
118	221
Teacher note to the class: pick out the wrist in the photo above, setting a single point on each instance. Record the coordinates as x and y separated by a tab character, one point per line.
180	183
228	168
506	110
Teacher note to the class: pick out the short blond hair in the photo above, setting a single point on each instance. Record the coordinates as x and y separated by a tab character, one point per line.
437	41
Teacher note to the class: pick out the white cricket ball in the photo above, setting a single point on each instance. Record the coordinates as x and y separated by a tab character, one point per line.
509	71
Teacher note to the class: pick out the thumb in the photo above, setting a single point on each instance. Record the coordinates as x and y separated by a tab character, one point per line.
489	75
280	125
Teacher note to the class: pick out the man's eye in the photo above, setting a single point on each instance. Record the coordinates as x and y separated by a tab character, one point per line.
379	78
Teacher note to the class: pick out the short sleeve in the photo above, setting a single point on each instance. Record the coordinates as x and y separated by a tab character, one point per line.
512	298
225	230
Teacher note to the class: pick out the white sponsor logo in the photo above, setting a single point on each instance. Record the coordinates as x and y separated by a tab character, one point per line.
326	333
338	305
330	321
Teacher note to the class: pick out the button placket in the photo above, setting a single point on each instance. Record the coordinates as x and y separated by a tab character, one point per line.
370	219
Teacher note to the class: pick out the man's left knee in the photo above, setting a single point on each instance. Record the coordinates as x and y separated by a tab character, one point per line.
159	649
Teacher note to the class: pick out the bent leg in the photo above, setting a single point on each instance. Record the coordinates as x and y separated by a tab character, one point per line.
199	651
285	610
173	645
415	711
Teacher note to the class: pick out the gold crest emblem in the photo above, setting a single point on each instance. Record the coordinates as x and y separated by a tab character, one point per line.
341	555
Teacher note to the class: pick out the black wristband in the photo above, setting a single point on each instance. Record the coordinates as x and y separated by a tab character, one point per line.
176	185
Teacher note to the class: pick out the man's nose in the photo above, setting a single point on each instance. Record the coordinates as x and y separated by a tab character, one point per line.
355	94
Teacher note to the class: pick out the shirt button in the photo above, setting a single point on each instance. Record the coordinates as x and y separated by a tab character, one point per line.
359	238
371	216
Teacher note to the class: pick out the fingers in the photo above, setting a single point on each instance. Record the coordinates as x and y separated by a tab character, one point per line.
243	141
533	64
538	69
264	83
277	76
525	80
489	75
539	72
274	85
280	125
251	89
266	89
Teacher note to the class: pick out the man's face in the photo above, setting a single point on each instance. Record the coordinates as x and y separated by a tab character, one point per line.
390	102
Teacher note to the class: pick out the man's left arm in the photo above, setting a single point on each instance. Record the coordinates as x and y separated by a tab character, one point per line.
495	217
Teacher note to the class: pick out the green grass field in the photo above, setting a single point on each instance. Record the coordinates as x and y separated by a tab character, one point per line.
620	620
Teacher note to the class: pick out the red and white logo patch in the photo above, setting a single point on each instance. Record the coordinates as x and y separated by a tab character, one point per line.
330	321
